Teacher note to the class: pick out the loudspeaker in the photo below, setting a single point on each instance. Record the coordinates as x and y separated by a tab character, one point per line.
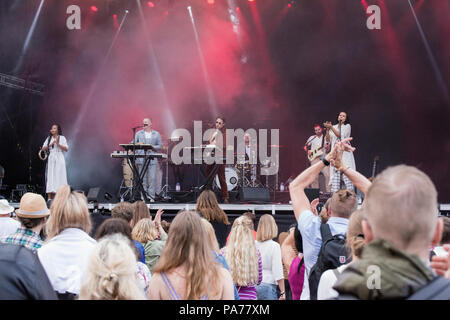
312	193
254	194
95	194
99	195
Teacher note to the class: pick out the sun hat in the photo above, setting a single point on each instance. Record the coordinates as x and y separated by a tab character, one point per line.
32	205
5	208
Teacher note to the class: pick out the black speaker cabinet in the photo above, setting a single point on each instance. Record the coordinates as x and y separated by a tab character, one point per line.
254	194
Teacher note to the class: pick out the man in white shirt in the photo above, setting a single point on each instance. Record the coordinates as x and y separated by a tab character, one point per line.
342	205
149	136
315	143
7	224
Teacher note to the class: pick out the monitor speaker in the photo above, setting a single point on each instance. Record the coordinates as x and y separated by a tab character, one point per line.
255	194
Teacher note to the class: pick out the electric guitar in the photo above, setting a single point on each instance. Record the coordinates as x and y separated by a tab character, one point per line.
374	167
318	152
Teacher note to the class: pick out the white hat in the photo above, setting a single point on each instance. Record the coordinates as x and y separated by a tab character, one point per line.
5	208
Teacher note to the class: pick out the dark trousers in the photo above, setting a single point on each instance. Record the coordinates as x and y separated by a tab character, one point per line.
221	174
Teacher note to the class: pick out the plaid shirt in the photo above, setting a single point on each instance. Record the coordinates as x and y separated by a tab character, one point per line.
24	237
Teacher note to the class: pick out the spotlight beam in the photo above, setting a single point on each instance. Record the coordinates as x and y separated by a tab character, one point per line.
434	65
211	99
76	127
28	38
154	61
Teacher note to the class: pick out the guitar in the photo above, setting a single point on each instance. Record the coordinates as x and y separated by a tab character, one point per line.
318	152
374	167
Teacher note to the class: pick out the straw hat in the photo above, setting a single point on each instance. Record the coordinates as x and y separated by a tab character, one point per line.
5	208
32	205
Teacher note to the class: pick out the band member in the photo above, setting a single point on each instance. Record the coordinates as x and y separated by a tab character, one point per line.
317	146
55	174
220	127
338	132
149	136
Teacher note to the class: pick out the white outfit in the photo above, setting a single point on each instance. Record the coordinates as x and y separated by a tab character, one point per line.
56	174
347	158
271	261
65	259
325	289
8	226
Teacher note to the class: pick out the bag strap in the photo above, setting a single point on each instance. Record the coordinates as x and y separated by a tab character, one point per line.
437	289
325	232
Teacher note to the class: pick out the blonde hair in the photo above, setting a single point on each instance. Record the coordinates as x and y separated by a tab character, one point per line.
355	236
68	210
211	234
241	253
188	246
144	231
401	207
208	206
111	273
141	211
267	228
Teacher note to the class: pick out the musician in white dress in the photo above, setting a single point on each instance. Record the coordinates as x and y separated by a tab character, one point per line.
338	132
56	174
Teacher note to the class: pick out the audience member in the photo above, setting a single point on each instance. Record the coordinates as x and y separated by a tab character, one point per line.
292	255
32	213
111	273
271	260
68	246
400	223
439	261
8	225
324	215
125	210
187	269
281	237
22	275
208	206
141	211
215	247
165	225
120	226
152	236
243	258
342	205
252	217
355	241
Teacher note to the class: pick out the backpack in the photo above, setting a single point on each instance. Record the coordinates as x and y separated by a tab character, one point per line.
333	253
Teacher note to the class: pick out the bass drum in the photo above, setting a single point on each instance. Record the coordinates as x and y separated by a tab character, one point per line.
127	173
231	177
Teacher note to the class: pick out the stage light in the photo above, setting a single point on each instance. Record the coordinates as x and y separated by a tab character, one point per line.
150	4
289	5
237	9
94	8
210	1
251	0
115	16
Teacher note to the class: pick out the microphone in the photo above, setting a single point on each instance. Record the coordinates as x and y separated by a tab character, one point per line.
138	127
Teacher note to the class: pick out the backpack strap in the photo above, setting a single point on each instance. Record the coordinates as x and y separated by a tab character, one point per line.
325	232
437	289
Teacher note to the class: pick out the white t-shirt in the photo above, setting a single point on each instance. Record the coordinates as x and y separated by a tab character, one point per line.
325	289
148	135
271	261
316	142
8	226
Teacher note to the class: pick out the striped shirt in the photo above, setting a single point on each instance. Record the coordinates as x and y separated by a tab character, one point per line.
24	237
249	292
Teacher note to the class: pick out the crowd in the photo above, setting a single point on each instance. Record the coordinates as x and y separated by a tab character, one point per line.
394	246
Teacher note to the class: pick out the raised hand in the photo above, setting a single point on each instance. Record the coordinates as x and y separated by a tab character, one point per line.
158	216
314	204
